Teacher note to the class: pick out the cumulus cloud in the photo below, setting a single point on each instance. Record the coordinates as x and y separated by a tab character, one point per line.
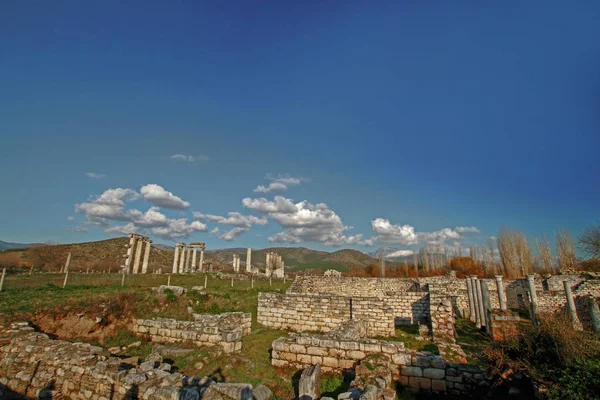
198	215
178	228
109	205
188	158
279	183
95	175
158	196
389	233
264	206
304	222
70	218
238	220
215	230
233	234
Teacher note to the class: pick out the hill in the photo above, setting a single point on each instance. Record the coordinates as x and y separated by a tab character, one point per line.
100	255
105	254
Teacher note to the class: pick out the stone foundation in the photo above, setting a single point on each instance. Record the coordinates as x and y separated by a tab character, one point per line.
225	330
34	366
419	371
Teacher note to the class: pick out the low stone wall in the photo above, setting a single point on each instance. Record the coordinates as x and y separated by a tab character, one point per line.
225	330
419	371
34	366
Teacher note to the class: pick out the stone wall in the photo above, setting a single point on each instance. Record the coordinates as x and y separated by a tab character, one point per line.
350	287
225	330
323	312
415	370
34	366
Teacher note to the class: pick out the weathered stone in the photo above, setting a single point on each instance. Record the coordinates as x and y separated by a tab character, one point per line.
309	386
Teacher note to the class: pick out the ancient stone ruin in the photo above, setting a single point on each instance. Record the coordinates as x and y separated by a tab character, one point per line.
135	244
186	263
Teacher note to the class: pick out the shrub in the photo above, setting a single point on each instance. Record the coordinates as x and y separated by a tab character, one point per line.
170	296
582	381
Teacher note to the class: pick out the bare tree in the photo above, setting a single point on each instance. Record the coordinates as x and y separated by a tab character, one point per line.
589	241
514	253
524	253
565	251
545	254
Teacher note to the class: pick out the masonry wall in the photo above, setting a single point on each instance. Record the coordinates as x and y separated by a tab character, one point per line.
323	312
416	370
348	286
34	366
225	330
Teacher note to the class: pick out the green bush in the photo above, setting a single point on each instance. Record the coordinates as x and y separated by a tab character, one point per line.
170	296
582	381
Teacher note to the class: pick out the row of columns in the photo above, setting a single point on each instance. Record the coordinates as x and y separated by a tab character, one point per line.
236	262
478	303
136	243
184	263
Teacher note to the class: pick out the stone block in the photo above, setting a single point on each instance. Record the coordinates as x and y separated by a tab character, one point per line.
411	371
355	354
434	373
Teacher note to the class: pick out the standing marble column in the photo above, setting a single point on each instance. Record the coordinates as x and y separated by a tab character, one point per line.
182	258
268	264
194	259
501	294
201	260
188	259
595	315
486	304
138	255
129	252
146	256
472	312
571	305
480	302
532	295
474	284
249	260
175	258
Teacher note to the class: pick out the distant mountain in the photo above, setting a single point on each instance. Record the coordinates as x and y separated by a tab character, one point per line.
17	246
111	252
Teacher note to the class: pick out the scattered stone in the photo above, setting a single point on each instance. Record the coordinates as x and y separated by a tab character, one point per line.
134	344
170	351
147	365
131	361
177	290
261	392
135	379
199	365
154	357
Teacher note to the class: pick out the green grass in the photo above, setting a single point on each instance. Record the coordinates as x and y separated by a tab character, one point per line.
470	338
407	335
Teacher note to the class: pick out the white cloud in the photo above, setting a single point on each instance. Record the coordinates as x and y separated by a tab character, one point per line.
279	183
389	233
70	218
238	220
178	228
152	217
215	230
273	187
233	234
441	236
264	206
157	195
109	205
198	215
400	253
95	175
305	222
188	158
466	229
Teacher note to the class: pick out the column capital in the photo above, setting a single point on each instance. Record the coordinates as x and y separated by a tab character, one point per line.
530	277
498	277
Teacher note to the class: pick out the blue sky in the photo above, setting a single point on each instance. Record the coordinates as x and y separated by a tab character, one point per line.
396	124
